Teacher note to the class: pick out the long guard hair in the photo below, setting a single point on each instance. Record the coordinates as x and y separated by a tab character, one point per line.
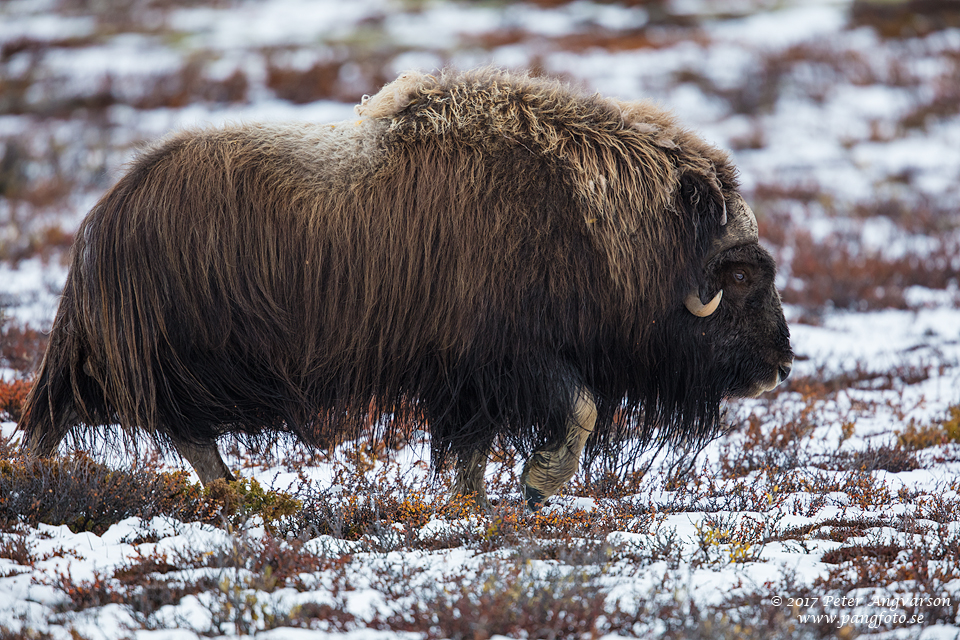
466	253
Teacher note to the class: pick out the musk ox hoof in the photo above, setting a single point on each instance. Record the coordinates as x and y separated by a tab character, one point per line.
533	497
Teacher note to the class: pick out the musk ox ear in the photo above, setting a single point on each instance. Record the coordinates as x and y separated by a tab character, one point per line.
701	196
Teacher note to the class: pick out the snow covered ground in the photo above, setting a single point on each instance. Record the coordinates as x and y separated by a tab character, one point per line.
827	498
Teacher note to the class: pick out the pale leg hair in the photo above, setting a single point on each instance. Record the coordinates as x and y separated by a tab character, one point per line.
549	469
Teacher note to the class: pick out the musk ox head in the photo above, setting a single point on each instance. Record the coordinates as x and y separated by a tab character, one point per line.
728	337
750	335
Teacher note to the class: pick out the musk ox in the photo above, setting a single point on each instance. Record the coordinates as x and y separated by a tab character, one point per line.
489	254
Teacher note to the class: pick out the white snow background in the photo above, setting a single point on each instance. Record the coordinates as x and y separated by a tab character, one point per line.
832	130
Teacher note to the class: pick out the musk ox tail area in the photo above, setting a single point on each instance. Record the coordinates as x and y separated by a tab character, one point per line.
57	399
157	328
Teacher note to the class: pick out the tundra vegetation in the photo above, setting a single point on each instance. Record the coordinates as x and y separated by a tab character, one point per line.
838	492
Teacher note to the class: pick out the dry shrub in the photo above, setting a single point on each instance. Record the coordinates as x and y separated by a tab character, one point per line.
18	549
539	533
20	188
944	104
837	271
842	529
918	570
142	584
892	457
362	500
386	518
836	274
506	599
811	69
776	444
32	187
88	496
12	396
605	482
143	594
135	569
339	78
915	437
242	499
47	242
922	215
284	562
190	84
33	90
371	500
372	497
882	552
824	384
96	592
908	19
766	194
311	614
620	40
33	634
21	346
42	96
319	82
273	562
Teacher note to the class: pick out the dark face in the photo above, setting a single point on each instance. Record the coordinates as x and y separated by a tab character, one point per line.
747	335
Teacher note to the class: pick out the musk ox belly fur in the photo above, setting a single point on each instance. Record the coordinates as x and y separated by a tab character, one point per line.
488	254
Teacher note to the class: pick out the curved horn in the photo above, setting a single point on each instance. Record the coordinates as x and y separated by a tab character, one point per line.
699	309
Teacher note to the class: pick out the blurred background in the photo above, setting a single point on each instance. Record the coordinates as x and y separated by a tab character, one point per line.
843	116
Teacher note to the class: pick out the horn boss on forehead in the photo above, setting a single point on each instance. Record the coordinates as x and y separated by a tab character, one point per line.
487	254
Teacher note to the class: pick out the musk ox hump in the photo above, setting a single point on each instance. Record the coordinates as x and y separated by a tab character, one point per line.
393	98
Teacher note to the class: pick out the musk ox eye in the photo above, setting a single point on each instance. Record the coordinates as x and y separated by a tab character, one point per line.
740	275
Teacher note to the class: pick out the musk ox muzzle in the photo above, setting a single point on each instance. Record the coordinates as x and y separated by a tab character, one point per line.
487	254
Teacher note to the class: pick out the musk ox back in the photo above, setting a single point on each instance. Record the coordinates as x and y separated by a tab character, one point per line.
490	254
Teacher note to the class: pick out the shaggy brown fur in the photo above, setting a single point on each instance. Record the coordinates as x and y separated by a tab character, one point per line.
469	252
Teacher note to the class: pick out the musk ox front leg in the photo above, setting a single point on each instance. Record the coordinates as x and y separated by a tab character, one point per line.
549	469
205	460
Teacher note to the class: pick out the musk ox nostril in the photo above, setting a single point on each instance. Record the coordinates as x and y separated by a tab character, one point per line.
785	370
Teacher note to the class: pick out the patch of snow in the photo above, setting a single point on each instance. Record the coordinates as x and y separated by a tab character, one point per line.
784	27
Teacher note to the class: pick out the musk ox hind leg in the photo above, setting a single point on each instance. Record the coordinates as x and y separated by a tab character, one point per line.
469	480
549	469
205	460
